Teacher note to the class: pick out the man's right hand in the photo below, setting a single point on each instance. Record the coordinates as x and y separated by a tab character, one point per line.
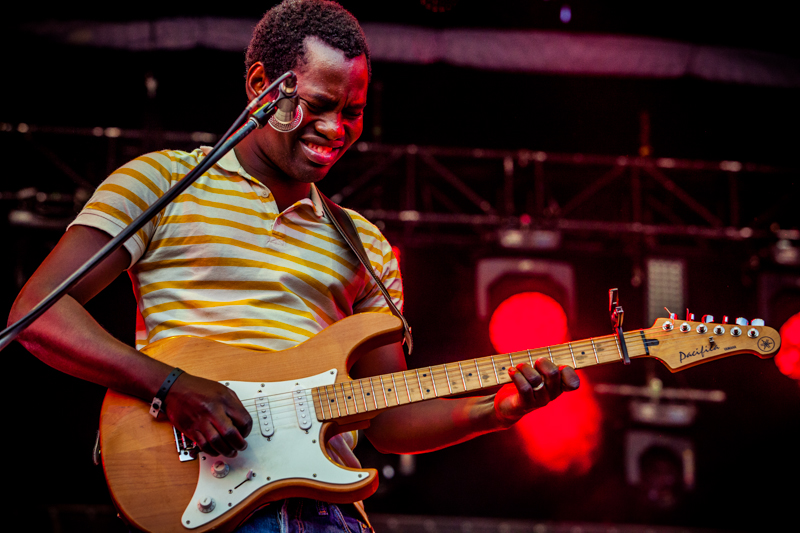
210	414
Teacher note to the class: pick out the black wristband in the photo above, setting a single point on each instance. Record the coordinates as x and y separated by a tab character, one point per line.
158	401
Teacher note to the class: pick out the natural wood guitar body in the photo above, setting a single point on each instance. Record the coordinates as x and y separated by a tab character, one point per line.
148	483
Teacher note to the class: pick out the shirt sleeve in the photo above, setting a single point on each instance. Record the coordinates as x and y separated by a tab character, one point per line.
384	263
125	195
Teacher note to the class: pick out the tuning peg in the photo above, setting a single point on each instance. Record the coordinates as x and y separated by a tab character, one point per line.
742	321
673	316
689	316
725	319
757	322
707	319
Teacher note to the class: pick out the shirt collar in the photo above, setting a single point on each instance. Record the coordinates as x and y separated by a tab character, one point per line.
230	163
316	201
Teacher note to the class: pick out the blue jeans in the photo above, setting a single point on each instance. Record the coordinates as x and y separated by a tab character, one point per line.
299	515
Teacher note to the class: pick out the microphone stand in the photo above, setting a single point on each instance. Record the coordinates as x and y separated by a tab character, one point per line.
254	119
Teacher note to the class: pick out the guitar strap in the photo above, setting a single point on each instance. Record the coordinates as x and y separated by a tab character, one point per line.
344	225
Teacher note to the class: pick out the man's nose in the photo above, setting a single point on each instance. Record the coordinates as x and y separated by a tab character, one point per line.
331	126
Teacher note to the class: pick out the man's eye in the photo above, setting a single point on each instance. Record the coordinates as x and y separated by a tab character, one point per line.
354	113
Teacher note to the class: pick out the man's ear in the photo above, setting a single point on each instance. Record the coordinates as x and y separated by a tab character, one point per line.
256	80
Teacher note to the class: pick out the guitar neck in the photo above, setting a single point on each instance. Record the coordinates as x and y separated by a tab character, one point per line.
362	396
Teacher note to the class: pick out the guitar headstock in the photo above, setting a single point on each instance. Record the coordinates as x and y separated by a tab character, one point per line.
680	344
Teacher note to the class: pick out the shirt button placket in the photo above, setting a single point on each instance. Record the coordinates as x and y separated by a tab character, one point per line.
263	193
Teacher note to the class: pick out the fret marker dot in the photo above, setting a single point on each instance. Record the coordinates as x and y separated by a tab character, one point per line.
349	398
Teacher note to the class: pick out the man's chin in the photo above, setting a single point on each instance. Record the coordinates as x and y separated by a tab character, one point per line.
312	175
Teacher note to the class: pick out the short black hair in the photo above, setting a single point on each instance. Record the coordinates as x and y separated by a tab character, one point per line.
278	39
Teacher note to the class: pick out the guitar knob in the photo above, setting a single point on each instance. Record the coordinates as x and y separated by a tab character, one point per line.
742	321
206	505
220	469
757	322
707	319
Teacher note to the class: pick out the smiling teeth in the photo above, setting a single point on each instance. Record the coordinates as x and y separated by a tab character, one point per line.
320	149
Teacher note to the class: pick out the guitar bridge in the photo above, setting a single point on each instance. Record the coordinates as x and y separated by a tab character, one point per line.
187	449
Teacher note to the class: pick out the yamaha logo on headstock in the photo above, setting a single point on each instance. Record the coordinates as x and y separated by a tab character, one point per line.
766	344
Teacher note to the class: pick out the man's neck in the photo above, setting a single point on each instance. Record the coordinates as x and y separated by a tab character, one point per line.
285	190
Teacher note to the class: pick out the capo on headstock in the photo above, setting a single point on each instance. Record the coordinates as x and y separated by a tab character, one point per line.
617	314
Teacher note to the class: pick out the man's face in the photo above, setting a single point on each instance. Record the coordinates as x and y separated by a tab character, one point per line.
333	93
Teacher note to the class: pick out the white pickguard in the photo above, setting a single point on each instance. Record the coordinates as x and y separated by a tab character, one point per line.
289	453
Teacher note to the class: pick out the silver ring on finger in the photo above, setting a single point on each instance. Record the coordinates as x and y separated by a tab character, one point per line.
539	387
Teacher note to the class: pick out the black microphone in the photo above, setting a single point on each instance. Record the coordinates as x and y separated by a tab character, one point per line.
288	114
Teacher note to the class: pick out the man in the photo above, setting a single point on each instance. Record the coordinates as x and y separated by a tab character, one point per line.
246	256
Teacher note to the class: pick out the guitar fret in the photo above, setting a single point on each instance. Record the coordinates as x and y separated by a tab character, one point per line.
619	349
463	382
595	351
530	358
574	363
419	384
478	371
383	388
551	355
344	397
494	366
355	400
396	397
327	401
374	398
433	380
317	401
447	375
408	389
363	396
336	401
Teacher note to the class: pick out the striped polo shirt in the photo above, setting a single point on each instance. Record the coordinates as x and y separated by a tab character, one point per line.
222	262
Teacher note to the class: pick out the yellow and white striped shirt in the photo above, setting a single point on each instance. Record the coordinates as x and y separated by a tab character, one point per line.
221	262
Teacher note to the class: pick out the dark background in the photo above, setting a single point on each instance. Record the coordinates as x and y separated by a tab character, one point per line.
747	465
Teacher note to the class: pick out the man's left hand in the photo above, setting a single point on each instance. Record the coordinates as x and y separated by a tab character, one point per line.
532	388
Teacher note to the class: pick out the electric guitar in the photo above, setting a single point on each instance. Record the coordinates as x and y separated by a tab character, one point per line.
159	482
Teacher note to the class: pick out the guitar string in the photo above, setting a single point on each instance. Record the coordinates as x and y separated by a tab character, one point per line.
485	365
282	404
557	352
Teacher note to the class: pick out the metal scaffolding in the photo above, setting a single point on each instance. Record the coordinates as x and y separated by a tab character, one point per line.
522	199
518	196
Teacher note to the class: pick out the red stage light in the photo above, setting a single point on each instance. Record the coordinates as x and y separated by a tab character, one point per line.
564	436
527	320
788	358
